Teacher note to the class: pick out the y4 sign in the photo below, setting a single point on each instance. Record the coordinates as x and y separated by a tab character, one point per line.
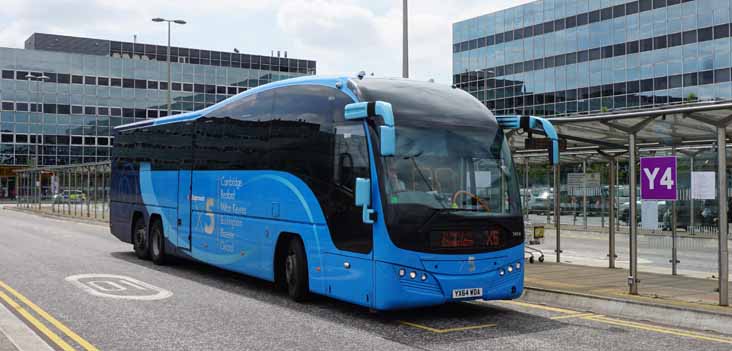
658	178
666	179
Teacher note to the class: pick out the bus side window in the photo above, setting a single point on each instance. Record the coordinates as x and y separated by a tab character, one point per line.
235	136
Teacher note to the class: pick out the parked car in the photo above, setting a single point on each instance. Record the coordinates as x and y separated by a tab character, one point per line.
624	211
69	196
541	202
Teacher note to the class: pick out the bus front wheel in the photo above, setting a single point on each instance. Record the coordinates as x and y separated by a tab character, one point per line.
296	271
139	238
157	243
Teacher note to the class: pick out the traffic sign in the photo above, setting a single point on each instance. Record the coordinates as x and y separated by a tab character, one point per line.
658	178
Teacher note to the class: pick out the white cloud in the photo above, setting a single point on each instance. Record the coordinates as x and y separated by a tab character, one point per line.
347	36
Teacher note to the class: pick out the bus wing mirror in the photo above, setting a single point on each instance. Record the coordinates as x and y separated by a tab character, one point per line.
363	199
363	192
534	123
388	140
361	110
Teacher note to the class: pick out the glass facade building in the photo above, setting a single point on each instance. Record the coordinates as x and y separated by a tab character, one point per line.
94	85
567	57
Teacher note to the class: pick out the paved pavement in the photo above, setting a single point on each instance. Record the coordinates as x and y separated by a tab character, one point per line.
191	306
697	256
5	344
663	289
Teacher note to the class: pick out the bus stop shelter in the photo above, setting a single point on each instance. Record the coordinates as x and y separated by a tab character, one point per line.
621	135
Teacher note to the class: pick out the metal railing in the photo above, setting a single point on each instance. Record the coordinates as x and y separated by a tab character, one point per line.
80	190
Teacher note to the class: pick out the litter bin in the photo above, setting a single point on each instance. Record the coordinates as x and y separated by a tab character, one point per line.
537	235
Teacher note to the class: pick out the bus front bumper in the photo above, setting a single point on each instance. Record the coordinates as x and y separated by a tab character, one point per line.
396	291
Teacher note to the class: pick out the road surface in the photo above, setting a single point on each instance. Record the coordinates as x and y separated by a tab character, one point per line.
88	290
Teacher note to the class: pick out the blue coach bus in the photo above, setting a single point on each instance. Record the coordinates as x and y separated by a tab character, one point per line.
386	193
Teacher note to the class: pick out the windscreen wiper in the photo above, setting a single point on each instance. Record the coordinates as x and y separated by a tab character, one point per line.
424	179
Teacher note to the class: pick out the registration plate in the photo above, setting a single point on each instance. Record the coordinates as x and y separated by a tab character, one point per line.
462	293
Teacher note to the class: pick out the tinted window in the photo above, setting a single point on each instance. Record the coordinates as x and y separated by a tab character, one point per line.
257	107
351	161
235	136
64	78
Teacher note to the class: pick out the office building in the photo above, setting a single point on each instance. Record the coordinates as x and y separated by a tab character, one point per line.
568	57
61	96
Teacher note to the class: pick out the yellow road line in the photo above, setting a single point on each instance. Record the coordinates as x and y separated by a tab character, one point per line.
60	326
663	330
622	323
447	330
36	323
576	315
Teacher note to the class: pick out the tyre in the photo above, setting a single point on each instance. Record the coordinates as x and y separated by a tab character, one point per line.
531	259
296	271
157	243
140	242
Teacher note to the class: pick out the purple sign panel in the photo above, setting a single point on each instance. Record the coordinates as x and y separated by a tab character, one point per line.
658	178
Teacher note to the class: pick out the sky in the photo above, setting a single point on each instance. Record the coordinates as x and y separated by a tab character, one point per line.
343	36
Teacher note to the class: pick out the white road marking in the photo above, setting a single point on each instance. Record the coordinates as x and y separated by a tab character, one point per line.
113	286
19	333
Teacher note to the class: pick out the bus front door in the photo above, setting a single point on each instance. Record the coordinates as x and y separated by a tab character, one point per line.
184	208
349	266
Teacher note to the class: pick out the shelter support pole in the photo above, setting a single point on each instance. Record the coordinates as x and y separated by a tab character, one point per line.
722	196
633	240
584	193
557	209
691	197
526	188
617	187
674	238
611	213
548	217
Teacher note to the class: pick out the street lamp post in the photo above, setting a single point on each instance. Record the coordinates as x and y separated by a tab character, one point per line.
405	40
158	19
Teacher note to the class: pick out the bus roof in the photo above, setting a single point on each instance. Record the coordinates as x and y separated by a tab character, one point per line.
188	116
414	96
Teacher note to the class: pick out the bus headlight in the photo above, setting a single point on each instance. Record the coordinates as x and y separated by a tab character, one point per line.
424	277
402	272
501	272
518	265
413	274
510	268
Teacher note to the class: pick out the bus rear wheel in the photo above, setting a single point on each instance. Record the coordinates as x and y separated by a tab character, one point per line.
157	243
140	242
296	271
